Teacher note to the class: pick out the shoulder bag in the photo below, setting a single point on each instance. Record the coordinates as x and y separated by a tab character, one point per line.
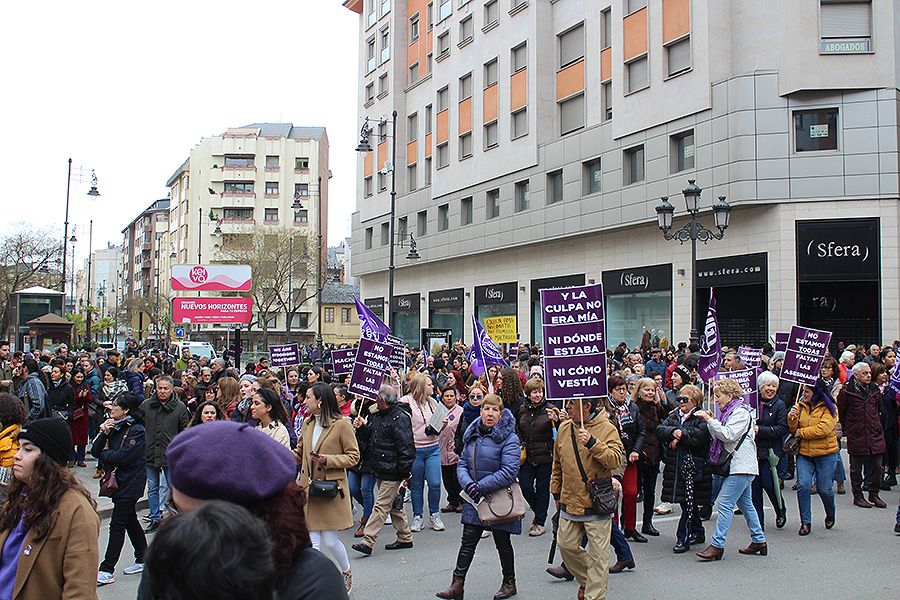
722	467
792	444
109	485
500	506
603	498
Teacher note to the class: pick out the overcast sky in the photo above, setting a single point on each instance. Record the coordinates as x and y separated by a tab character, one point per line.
129	88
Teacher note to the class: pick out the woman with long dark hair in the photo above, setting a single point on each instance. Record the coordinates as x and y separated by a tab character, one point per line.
121	445
509	388
48	524
82	401
268	410
207	413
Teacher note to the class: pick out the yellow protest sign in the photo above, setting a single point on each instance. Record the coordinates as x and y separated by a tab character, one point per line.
501	330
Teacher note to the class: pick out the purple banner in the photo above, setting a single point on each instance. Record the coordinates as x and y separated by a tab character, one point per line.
747	380
372	362
371	326
805	352
750	357
343	360
285	355
574	342
398	356
895	381
781	340
710	344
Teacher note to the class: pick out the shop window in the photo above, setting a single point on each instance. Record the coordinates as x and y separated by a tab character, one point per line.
815	129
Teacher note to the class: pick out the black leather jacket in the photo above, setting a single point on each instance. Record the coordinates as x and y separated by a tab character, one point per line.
391	441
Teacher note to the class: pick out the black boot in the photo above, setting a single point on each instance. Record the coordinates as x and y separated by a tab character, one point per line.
455	591
507	589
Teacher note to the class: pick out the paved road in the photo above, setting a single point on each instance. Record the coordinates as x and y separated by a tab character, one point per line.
856	560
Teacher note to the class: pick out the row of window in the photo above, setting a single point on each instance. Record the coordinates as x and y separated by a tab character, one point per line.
270	215
272	188
301	320
273	162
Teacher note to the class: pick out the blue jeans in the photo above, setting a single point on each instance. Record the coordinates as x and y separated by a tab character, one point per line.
619	543
157	491
736	489
716	486
362	489
840	476
821	470
535	482
426	467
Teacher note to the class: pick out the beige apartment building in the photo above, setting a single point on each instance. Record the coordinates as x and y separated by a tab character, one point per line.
145	291
535	139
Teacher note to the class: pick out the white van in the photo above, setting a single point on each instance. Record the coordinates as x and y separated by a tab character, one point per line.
197	349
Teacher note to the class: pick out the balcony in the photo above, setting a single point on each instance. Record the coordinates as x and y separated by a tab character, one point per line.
237	225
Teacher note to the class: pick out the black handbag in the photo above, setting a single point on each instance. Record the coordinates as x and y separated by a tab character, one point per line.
323	488
722	467
603	498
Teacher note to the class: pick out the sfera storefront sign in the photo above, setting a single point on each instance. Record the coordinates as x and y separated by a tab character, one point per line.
495	294
732	270
406	303
838	250
654	278
446	298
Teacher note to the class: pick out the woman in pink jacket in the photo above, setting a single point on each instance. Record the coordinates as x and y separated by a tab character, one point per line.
449	458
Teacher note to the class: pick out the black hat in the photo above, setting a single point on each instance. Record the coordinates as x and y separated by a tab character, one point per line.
52	436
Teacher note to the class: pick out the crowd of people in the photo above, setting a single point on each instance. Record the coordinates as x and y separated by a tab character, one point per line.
290	451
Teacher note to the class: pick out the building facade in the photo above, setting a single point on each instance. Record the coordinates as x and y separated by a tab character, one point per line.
340	323
535	139
145	290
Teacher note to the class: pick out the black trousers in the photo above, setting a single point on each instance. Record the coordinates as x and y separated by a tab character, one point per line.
648	473
124	519
872	465
451	484
890	457
470	538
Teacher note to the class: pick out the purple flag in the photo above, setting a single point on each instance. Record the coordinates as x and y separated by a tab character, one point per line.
484	349
477	368
372	327
710	344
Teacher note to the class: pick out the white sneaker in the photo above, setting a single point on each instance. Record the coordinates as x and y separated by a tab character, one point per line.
663	508
434	521
417	524
134	569
407	496
104	578
485	533
388	521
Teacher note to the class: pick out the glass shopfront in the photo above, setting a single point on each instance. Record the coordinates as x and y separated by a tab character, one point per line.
638	300
376	305
541	284
741	289
497	300
839	278
406	310
445	311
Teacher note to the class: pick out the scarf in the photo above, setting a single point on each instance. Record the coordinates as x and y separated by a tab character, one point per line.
111	389
622	413
716	447
470	413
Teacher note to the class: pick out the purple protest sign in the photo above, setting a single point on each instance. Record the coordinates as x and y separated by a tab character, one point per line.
805	352
398	357
750	357
574	342
343	360
372	362
895	381
746	378
781	341
285	355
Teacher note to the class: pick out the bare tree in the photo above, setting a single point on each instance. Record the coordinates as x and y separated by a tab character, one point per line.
27	257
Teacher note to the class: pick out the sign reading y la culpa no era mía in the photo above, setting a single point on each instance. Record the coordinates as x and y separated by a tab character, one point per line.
211	278
212	310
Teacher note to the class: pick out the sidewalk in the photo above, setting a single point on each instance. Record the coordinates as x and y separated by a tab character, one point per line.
104	505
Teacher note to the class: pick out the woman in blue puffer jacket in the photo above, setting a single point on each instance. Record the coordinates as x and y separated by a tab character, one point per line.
489	461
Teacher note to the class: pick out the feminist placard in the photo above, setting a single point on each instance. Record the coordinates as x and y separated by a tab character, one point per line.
746	378
285	355
781	340
574	342
750	357
398	356
343	360
805	352
372	362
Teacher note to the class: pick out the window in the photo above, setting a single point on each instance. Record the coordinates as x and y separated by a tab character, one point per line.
382	84
465	145
385	7
493	204
633	170
238	214
271	215
554	186
429	18
490	135
300	321
465	86
412	177
301	189
385	44
238	187
429	63
605	29
368	238
301	163
382	181
634	5
590	183
521	190
271	322
845	26
571	114
519	57
301	217
466	29
815	130
517	3
443	99
637	76
367	186
412	127
678	57
491	13
372	15
428	117
370	92
428	171
382	131
571	46
401	228
345	315
271	188
443	217
370	55
385	234
682	151
443	43
414	28
329	314
519	123
445	9
413	73
443	156
490	73
422	223
271	162
465	211
606	93
240	162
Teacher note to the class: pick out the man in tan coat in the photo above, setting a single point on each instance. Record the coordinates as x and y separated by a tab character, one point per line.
593	436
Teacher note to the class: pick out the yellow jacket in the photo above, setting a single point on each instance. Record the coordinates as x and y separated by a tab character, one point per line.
815	428
9	445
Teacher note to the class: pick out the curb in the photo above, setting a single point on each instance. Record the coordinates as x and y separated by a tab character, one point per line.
106	513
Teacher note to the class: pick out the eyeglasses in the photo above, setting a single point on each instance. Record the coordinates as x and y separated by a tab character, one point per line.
683	399
476	396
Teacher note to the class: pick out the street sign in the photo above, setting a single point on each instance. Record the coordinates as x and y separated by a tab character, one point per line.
179	333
